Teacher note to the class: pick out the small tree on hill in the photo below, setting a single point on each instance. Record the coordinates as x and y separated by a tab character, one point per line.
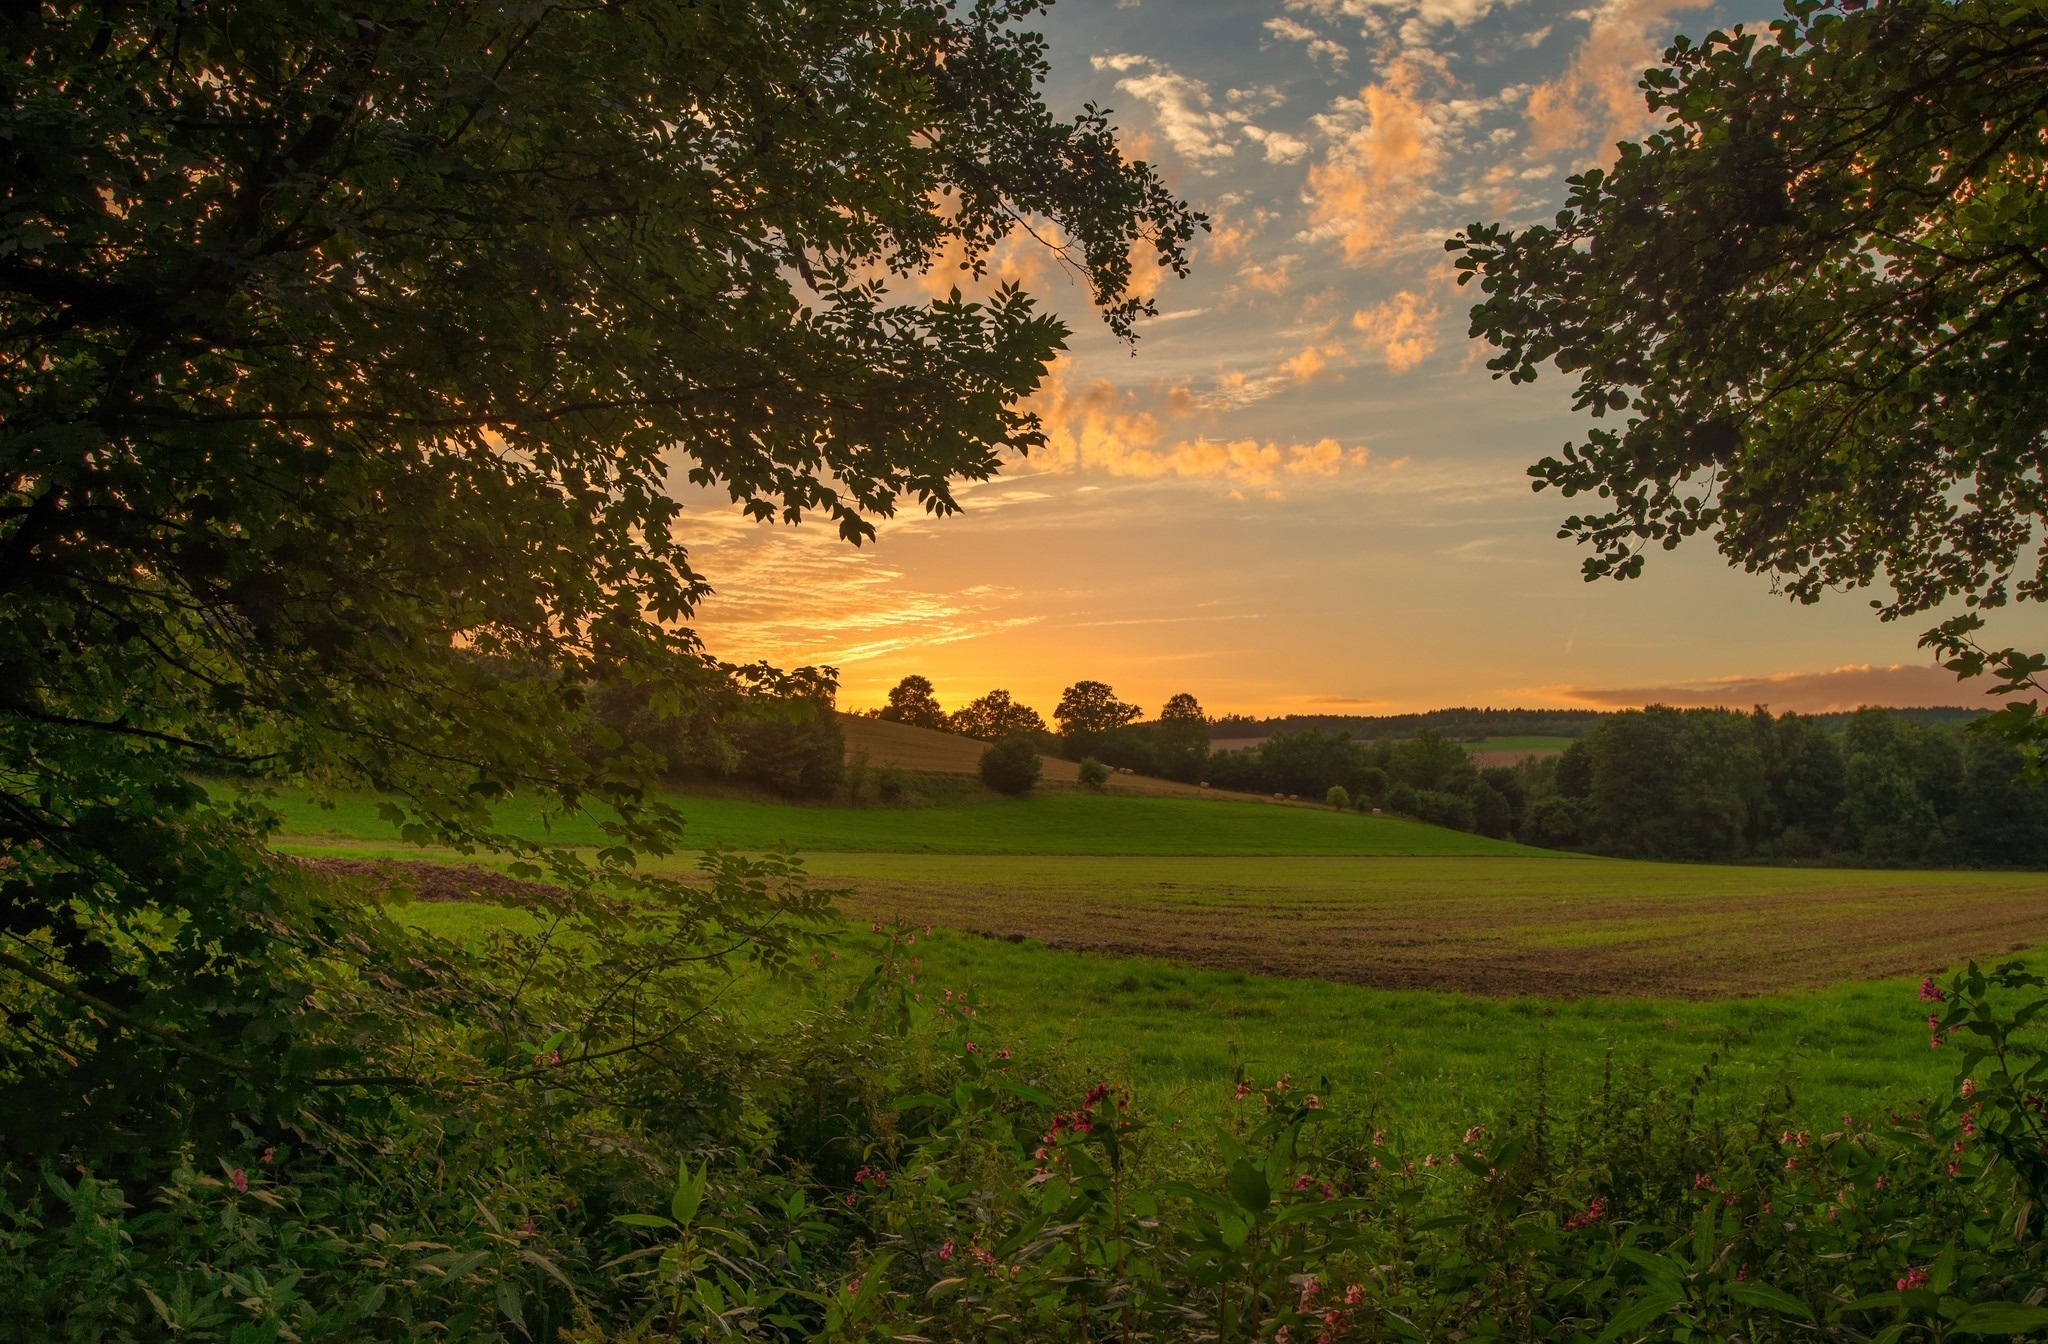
1011	766
1094	774
912	701
1337	797
1088	707
994	716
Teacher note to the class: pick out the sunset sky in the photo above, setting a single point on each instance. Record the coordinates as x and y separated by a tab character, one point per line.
1304	493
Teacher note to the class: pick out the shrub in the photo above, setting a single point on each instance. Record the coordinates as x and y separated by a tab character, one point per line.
1554	823
1338	797
891	784
1094	774
1404	798
1454	810
1491	813
1011	766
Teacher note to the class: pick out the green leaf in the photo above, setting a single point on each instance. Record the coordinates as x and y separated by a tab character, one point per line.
1247	1185
689	1192
510	1305
1763	1296
1640	1313
644	1220
2000	1318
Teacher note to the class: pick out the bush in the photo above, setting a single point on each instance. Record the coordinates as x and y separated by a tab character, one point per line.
891	784
1491	813
1454	810
1554	823
1094	774
1338	797
1404	798
800	753
1011	766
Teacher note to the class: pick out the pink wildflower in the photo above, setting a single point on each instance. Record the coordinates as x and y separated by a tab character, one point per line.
946	1251
1475	1134
1595	1211
1313	1102
1003	1053
1969	1088
1929	992
853	1285
240	1180
1913	1279
1702	1182
973	1049
1353	1295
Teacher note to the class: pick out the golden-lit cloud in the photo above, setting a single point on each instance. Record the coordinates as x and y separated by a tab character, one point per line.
1595	101
1403	329
1093	426
798	595
1897	686
1384	158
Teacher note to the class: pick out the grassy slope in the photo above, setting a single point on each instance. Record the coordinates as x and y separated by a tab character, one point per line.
1055	823
1428	1064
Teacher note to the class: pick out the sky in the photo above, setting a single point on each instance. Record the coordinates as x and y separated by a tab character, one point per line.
1302	491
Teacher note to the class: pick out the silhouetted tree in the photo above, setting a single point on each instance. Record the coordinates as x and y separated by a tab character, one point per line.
994	716
912	701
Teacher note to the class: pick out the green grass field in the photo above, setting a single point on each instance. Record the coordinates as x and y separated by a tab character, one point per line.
1422	1064
1050	823
1161	938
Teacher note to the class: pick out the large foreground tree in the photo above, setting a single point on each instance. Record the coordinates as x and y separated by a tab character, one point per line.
1818	302
353	356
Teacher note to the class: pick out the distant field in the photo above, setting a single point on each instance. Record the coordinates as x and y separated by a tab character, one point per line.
1423	1065
1521	746
1053	823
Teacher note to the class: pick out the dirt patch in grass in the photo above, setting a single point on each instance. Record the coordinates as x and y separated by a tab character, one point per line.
440	882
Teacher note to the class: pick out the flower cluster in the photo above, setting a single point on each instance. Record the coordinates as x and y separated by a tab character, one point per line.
1595	1211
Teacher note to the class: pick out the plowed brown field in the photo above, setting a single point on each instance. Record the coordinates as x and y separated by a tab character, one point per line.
1510	926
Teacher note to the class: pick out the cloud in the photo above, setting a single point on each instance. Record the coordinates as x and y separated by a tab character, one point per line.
1383	161
1183	108
798	595
1202	133
1898	686
1595	101
1280	146
1403	329
1410	18
1092	426
1317	46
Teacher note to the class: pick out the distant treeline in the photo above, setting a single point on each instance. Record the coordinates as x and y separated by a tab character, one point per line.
1874	786
1452	723
1472	724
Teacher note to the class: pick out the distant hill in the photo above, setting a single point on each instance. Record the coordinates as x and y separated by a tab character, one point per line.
921	749
1472	725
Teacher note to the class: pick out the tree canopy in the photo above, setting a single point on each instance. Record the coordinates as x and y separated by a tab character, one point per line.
1816	300
995	715
356	353
1088	707
913	701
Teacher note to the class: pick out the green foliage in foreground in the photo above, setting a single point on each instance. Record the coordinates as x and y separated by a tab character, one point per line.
1052	823
1415	1063
936	1185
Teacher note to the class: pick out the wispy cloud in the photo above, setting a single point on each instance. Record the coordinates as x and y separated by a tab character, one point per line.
1897	686
1315	44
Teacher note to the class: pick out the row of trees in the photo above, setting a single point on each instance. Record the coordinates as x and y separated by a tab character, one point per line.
1710	784
1426	776
1697	784
1090	722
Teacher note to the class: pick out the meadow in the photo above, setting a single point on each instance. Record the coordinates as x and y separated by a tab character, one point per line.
1168	940
1072	823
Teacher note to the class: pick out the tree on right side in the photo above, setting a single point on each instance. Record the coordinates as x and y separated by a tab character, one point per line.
1816	301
